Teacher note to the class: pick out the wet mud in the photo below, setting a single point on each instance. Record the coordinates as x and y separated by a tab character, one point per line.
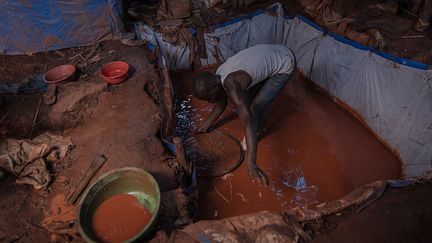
312	150
119	218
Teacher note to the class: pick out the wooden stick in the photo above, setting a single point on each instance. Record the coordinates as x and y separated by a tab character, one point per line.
412	36
222	196
180	154
35	117
94	167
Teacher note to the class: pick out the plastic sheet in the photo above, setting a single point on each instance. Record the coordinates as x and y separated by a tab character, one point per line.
29	85
176	56
34	26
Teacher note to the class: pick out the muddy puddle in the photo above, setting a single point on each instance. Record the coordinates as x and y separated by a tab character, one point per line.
313	152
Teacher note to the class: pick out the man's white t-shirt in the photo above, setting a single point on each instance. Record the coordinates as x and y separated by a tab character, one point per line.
260	62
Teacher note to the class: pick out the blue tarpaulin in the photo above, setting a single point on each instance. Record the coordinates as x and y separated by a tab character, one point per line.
29	26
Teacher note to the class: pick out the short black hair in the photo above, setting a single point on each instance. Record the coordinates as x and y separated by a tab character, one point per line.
204	84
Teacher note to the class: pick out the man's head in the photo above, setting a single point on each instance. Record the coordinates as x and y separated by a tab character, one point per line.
207	86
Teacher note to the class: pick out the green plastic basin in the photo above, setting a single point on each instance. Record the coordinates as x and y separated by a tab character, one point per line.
128	180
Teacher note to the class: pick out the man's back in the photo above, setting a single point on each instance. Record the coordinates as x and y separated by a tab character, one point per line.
260	62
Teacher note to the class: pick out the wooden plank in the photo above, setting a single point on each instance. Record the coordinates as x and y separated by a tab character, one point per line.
94	167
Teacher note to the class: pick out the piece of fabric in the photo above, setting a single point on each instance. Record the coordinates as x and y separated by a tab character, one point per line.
28	158
27	86
176	56
35	26
260	62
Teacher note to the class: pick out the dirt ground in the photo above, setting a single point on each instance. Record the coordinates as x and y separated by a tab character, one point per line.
121	122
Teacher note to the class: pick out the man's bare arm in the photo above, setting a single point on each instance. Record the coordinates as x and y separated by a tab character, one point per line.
238	98
218	109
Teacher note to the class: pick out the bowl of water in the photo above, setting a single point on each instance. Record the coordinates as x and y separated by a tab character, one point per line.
120	206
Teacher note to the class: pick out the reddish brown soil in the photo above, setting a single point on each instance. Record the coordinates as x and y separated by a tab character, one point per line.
308	136
400	215
120	122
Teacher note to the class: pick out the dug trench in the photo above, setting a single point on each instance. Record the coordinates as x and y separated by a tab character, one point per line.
313	151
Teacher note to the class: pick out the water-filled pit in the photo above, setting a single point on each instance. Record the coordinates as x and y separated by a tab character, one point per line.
313	151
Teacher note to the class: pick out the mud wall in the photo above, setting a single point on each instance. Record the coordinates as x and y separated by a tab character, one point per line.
390	95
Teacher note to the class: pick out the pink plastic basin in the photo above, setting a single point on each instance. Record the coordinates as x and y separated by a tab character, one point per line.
62	73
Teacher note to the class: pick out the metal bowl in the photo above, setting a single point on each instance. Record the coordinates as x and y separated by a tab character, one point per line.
128	180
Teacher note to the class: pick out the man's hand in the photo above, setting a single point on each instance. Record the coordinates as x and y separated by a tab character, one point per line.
256	172
218	109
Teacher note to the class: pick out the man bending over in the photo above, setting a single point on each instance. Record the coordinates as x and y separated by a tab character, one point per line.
263	65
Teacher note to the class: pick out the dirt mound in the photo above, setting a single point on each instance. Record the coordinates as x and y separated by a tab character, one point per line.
74	102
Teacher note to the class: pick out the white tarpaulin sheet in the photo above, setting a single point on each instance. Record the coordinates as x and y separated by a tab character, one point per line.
176	56
392	95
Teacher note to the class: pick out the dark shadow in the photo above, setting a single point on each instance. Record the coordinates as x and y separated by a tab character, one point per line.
132	71
281	107
165	182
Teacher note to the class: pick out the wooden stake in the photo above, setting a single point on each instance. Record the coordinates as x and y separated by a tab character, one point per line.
35	117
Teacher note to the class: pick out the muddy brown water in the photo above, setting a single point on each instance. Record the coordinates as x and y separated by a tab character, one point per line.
119	218
314	151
